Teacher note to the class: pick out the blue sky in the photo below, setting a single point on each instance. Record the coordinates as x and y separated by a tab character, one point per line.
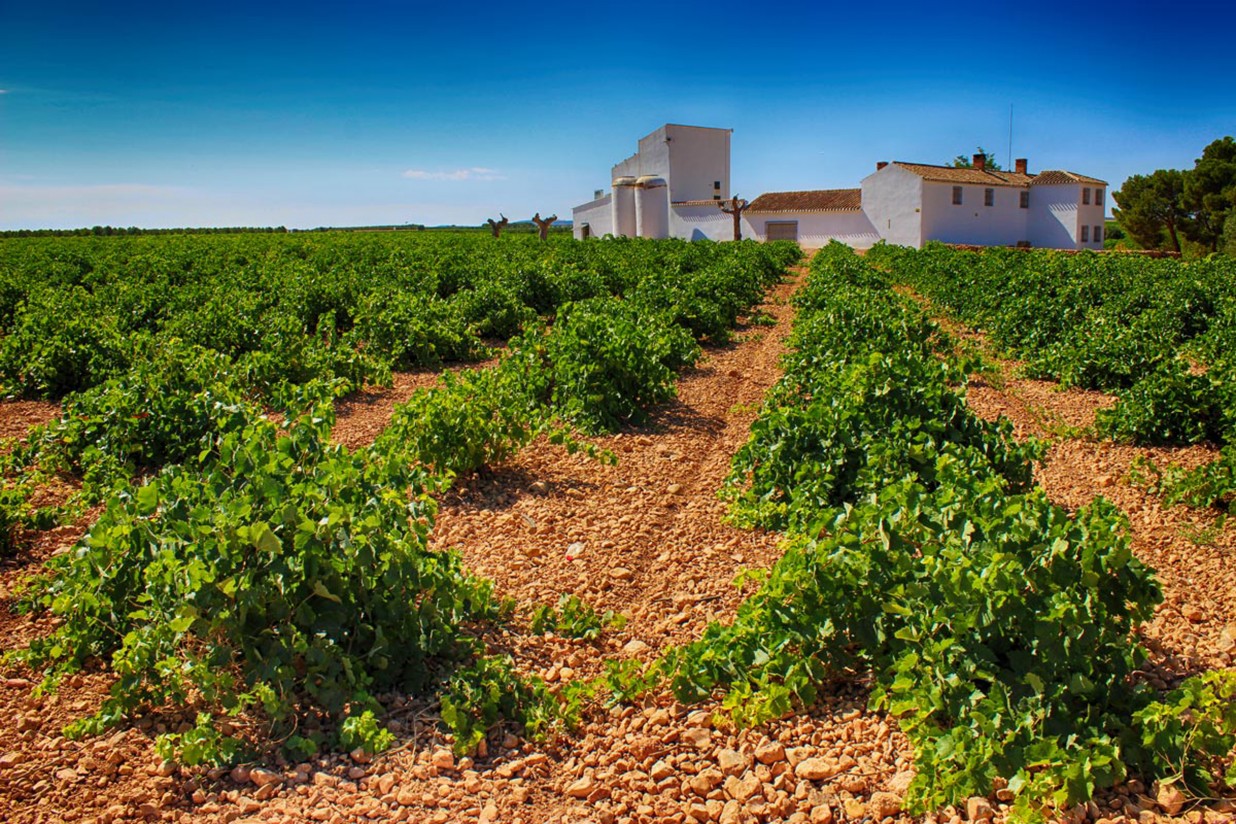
309	114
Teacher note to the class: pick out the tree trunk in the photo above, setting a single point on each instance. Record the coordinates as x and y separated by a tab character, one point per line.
736	206
1171	232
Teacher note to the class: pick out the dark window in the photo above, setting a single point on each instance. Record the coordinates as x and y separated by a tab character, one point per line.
1085	234
1025	200
716	185
989	197
956	195
1085	195
1098	234
1098	197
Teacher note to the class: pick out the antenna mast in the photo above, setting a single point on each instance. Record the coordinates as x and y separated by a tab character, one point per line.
1010	137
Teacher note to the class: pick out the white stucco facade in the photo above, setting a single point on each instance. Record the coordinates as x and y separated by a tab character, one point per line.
676	182
1054	221
986	216
694	161
1090	215
704	221
813	230
1066	216
892	200
595	219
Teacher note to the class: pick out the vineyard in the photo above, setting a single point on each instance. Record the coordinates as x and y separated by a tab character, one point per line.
512	600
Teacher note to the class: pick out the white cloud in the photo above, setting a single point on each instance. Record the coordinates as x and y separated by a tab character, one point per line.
473	173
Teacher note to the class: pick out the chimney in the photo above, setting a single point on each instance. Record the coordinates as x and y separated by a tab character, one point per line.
1020	166
980	162
881	164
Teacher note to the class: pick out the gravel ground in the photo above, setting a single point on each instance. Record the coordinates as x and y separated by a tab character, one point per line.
645	538
1194	629
16	417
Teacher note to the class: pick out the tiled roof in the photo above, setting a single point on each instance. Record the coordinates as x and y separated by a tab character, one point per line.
1054	177
975	177
818	200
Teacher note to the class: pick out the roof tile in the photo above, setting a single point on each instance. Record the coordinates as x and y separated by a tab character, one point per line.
816	200
1049	177
975	177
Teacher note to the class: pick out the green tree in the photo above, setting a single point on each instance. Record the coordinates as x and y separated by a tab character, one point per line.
964	162
1210	193
1152	208
1114	235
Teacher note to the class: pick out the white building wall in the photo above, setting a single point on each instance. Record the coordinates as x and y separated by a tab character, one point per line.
1053	219
1091	215
599	216
703	223
1001	224
699	159
651	159
817	229
892	201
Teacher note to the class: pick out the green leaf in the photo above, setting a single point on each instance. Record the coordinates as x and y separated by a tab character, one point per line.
321	591
185	616
264	539
147	499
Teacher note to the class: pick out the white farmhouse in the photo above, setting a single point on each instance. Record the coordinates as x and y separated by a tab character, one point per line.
675	185
912	203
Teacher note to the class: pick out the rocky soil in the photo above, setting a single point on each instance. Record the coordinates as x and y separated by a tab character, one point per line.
1192	551
646	538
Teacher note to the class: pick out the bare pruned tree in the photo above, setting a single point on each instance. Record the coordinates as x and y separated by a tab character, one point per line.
735	206
496	226
543	224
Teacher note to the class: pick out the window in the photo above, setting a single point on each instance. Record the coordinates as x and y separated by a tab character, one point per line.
1085	234
1098	234
1085	195
989	197
1025	200
1098	197
956	195
716	185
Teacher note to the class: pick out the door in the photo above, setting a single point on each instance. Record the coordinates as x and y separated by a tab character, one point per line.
781	230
